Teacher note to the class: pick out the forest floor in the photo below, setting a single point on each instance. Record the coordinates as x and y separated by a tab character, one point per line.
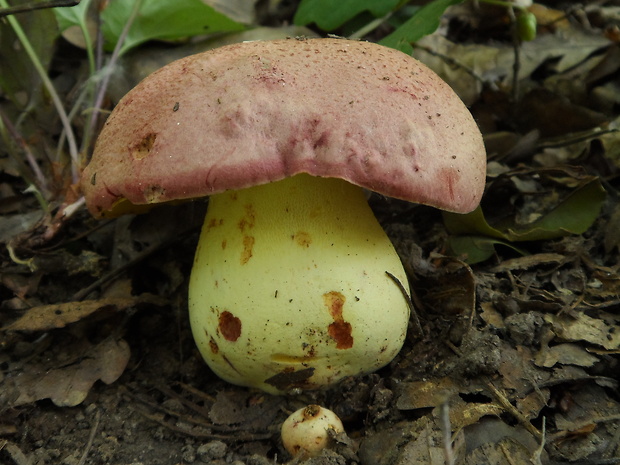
517	358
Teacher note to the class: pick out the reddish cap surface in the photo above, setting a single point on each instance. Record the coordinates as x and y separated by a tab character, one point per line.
256	112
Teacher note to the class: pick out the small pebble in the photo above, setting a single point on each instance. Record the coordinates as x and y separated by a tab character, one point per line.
212	450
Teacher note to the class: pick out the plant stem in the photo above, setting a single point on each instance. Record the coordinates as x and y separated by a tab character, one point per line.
62	114
113	59
502	3
9	131
371	26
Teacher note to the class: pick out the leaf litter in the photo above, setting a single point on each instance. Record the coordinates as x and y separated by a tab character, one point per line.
517	357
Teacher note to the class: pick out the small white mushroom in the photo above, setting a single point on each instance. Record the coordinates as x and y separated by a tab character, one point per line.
307	431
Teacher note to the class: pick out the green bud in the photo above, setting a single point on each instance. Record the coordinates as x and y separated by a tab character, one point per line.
526	25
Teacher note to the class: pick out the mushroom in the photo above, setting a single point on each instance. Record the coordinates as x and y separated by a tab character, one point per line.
309	430
289	288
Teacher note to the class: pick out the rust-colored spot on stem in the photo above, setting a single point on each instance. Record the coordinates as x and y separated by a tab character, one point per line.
248	246
249	219
213	346
229	326
214	223
334	301
339	330
303	239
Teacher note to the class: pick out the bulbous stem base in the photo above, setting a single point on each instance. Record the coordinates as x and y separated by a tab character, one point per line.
289	287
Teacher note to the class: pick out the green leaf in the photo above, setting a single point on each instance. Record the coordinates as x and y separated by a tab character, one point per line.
72	16
476	249
470	223
474	237
163	20
574	215
83	18
425	21
331	14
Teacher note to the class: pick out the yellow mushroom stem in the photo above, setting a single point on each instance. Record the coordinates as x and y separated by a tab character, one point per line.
289	287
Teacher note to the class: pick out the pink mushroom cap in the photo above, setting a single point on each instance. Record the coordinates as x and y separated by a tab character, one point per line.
257	112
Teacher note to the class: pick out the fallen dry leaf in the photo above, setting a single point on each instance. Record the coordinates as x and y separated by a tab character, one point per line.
531	405
529	261
581	327
591	409
68	386
479	64
432	393
566	354
423	394
426	447
463	414
46	317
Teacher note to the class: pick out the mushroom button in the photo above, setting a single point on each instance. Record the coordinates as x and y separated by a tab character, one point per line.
306	432
289	288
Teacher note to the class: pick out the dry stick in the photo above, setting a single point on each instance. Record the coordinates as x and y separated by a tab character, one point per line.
198	393
19	458
472	313
26	7
539	450
507	454
81	294
506	405
200	410
188	419
446	430
414	315
19	140
235	433
237	437
91	438
450	61
516	45
585	423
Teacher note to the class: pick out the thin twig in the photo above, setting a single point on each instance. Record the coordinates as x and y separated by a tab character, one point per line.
34	165
142	255
507	454
91	438
371	26
575	138
541	447
80	295
506	405
516	45
90	87
412	311
450	61
446	430
205	427
26	7
238	436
